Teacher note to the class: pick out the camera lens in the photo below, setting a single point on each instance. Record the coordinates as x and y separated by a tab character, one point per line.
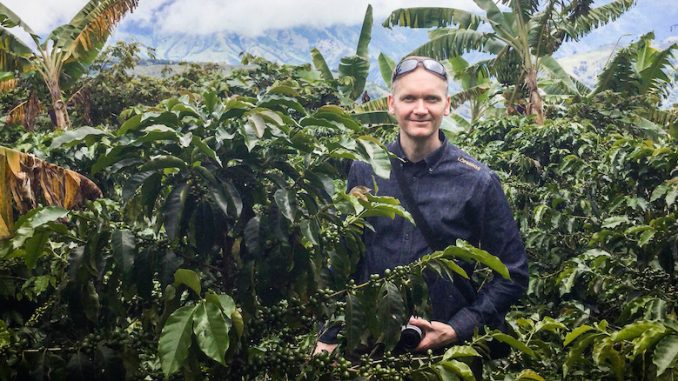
410	336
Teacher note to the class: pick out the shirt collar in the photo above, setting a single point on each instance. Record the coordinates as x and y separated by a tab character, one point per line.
431	160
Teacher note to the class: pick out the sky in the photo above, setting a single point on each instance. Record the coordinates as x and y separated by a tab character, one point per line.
251	18
247	17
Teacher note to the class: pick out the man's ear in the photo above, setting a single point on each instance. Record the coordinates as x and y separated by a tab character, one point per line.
389	100
448	100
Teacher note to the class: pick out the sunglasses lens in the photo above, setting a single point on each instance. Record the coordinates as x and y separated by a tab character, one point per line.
405	67
435	67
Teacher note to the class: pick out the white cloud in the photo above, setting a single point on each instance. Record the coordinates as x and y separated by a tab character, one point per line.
44	15
253	17
204	17
146	12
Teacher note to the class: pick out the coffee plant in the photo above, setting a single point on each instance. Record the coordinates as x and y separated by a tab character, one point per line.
226	241
594	194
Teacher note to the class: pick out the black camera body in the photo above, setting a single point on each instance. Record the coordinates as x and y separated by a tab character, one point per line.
410	337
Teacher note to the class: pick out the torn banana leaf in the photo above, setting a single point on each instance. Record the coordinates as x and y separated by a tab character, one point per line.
27	182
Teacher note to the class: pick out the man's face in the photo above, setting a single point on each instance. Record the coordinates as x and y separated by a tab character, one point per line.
419	102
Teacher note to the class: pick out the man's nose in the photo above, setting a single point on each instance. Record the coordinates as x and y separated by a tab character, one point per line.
420	107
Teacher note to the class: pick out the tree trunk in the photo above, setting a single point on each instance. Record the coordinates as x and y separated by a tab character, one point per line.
58	105
228	269
31	111
475	111
536	106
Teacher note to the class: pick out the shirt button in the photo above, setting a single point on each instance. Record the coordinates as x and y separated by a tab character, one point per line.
407	236
430	170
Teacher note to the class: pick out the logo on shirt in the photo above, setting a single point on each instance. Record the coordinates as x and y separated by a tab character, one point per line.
468	163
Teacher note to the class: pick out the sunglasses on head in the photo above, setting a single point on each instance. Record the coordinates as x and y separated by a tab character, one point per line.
410	64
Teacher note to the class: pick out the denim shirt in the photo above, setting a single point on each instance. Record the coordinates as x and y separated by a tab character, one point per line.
460	198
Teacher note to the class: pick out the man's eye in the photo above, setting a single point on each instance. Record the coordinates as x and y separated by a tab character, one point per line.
432	99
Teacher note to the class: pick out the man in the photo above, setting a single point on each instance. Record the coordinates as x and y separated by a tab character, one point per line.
457	196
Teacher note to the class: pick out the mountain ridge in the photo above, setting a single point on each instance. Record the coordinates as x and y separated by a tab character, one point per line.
293	46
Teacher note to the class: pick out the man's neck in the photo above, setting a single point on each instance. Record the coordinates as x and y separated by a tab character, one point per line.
416	151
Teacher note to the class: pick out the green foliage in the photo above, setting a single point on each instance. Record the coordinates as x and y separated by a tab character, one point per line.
476	89
213	195
638	69
352	70
207	323
386	67
175	339
432	17
593	192
517	41
111	86
64	55
226	235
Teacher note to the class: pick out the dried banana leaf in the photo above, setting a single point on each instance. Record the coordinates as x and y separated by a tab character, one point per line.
27	182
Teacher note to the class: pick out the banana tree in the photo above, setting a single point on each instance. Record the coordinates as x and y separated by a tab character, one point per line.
353	70
64	55
518	40
476	88
642	70
639	69
374	113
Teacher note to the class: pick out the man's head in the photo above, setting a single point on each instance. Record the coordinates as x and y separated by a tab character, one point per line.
419	98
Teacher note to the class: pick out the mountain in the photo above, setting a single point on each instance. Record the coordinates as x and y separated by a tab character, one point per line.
584	59
586	65
283	45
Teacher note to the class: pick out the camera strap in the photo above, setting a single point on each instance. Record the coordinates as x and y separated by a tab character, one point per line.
411	205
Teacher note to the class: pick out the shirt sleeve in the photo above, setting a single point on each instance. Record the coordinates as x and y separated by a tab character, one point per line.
498	235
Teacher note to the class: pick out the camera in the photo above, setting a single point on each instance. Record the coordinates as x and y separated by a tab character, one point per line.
410	336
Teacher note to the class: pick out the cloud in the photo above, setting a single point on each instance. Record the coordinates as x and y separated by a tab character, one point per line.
246	17
44	15
249	18
253	17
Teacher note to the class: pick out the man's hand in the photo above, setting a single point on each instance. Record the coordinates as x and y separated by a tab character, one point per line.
436	334
323	347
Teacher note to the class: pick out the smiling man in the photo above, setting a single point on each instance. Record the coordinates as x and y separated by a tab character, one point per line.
451	196
419	103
